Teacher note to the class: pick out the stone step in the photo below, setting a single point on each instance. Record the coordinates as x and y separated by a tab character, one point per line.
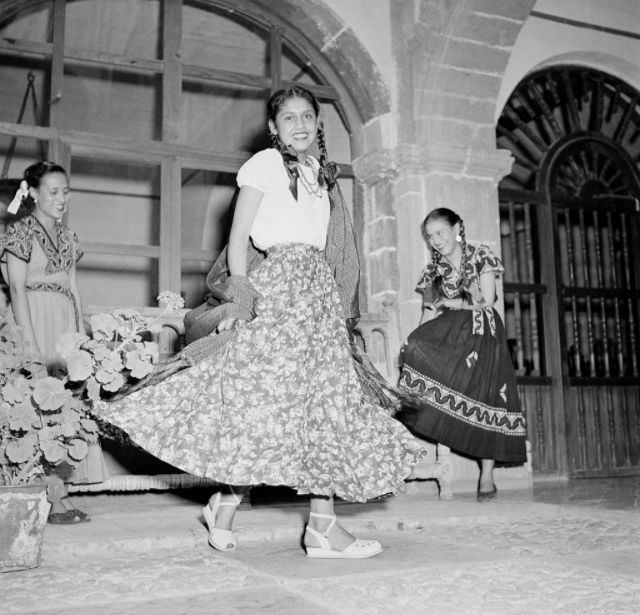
129	523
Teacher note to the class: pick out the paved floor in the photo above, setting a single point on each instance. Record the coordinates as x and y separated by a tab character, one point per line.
570	549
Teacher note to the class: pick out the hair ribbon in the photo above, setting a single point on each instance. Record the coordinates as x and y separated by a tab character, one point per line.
21	193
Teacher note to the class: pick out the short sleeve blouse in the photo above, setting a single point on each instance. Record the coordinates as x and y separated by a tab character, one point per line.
480	259
20	236
281	219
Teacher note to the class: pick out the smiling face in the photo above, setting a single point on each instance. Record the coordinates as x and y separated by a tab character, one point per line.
441	236
296	123
52	195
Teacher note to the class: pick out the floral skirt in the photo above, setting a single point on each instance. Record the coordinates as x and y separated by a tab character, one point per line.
459	368
282	403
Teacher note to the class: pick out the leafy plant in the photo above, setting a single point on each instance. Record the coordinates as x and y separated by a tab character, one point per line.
41	422
118	353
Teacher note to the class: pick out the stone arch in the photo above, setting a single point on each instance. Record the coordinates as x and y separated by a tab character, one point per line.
465	47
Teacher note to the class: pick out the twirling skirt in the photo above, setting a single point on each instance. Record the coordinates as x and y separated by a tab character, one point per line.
281	404
459	369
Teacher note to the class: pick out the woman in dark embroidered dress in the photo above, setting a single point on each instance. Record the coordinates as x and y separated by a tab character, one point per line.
38	256
456	363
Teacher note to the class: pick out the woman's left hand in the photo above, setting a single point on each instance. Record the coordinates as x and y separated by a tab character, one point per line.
452	304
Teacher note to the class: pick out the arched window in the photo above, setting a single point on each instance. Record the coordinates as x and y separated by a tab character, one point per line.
153	105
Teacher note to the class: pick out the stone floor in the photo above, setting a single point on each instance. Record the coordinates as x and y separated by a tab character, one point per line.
560	548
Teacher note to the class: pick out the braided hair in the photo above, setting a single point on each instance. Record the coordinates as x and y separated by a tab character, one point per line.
451	218
328	171
33	175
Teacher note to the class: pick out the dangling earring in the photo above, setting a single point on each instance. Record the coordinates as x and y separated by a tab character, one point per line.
458	238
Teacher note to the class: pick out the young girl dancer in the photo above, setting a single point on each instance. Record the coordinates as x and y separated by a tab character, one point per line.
280	403
456	363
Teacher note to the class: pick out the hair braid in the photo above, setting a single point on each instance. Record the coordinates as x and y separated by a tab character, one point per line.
463	247
328	172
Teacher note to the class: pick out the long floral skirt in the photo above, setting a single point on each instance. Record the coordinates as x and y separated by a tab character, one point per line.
282	403
459	369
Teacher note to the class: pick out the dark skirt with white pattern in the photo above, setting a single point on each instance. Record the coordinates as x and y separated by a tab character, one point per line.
458	370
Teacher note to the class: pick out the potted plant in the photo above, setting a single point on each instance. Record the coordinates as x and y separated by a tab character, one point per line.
42	424
119	355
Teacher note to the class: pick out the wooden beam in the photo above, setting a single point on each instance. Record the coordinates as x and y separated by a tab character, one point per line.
120	148
170	226
275	59
120	249
172	75
56	77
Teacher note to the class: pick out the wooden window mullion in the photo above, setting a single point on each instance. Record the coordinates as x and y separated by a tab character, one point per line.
170	193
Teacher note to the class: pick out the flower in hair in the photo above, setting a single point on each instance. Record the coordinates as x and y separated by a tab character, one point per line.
20	195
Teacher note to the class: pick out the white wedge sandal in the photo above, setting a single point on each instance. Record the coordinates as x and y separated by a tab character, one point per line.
222	540
358	549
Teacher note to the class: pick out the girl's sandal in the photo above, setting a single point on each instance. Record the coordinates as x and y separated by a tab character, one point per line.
358	549
68	517
222	540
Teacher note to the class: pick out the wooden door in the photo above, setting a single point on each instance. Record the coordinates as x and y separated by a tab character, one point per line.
598	285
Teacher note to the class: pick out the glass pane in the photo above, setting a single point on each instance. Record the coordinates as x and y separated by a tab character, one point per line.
14	77
336	134
116	205
115	202
207	198
129	28
30	24
215	39
224	119
113	280
109	102
295	70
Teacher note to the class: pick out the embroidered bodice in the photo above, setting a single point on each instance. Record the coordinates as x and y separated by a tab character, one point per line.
451	282
61	251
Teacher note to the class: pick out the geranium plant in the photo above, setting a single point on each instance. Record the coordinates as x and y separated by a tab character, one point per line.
41	422
118	353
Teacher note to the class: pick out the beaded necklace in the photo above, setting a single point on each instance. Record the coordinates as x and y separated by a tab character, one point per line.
312	187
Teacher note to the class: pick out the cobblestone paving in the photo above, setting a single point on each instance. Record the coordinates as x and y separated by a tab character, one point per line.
555	561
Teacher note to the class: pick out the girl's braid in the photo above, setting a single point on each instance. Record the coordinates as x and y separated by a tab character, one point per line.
328	171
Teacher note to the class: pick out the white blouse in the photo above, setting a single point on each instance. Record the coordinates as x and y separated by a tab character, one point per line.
280	218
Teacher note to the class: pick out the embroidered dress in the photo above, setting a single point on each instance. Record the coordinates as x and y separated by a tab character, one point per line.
50	261
281	404
459	367
53	306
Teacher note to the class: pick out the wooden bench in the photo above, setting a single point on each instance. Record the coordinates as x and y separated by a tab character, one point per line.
374	333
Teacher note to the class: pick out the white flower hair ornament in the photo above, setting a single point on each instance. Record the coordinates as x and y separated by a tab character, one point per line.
22	192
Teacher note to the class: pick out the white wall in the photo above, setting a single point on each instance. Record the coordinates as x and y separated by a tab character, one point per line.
543	42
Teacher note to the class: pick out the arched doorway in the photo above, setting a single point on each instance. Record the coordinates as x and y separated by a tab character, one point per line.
570	222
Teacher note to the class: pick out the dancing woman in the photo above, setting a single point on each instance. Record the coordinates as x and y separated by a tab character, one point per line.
456	364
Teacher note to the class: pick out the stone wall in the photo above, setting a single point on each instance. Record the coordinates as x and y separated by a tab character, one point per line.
437	149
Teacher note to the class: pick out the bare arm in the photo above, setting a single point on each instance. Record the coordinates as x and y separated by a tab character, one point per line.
17	274
429	308
76	294
246	209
